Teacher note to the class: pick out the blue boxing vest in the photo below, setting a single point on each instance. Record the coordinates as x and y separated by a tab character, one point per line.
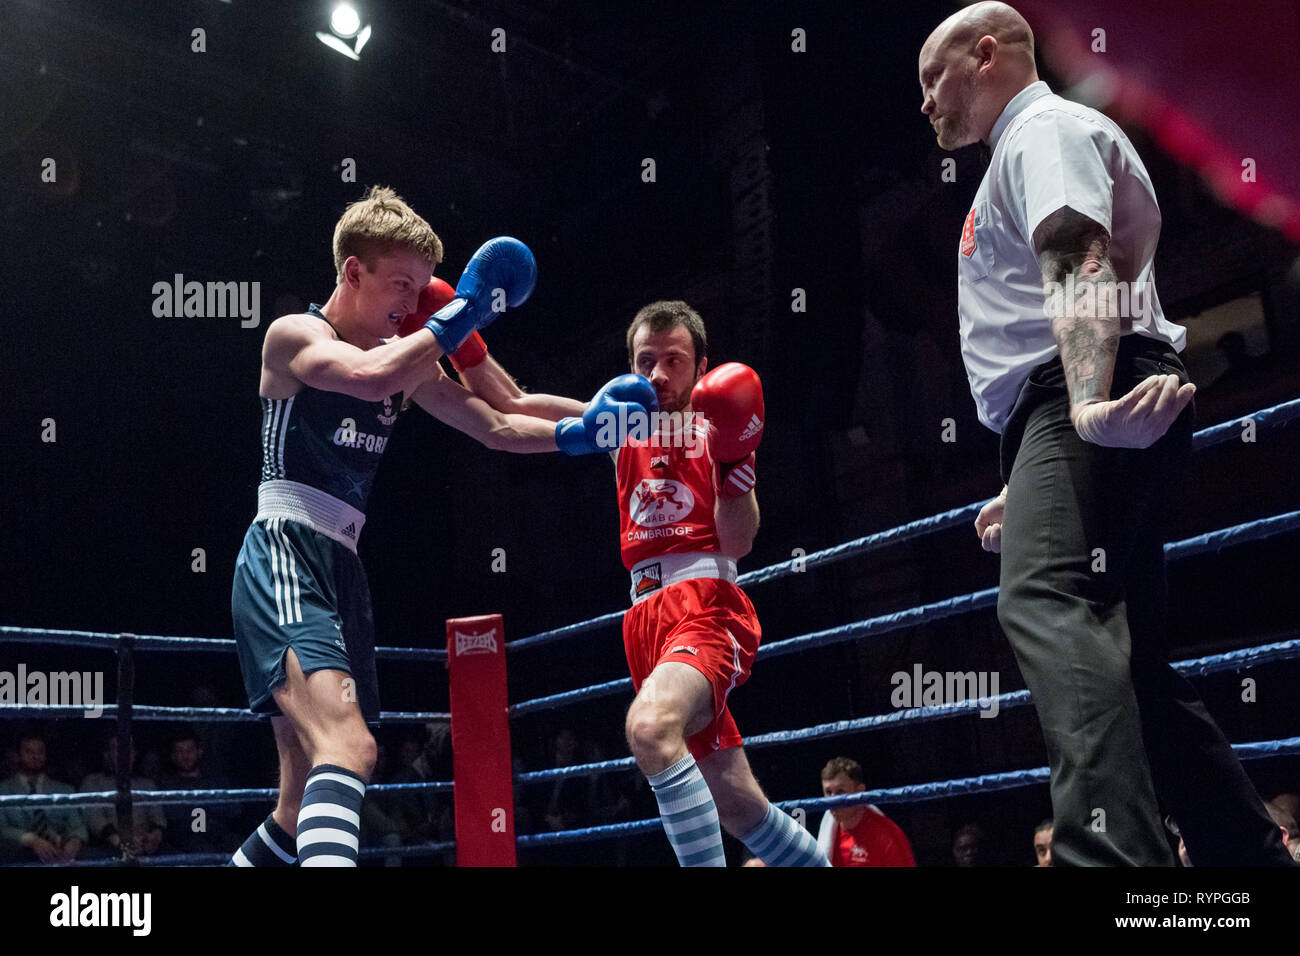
328	440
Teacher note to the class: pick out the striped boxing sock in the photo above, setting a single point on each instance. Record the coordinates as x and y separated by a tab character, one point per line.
778	840
329	823
689	814
268	845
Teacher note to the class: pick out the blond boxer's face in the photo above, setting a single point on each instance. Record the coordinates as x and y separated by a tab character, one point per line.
391	289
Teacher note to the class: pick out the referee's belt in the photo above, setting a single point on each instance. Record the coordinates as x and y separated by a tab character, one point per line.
319	511
654	574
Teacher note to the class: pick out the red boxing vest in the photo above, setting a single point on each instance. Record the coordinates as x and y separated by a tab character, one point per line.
666	496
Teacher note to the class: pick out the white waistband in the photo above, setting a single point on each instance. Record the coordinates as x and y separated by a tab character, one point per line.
310	506
653	575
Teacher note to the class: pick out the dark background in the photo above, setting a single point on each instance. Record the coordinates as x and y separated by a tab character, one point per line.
776	171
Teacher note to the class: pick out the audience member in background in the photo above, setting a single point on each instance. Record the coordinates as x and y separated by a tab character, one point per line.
195	827
1290	833
424	816
1172	826
969	846
1043	843
380	826
1290	802
47	834
150	822
859	835
567	800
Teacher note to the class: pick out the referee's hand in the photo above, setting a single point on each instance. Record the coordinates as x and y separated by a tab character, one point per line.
988	523
1137	420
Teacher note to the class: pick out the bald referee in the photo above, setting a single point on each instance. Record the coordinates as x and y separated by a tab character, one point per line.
1071	360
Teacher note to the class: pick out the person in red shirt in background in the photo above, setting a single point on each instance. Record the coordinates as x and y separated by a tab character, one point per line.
687	512
1043	843
859	835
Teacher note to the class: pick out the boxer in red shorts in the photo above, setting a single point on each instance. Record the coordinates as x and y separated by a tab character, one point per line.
688	511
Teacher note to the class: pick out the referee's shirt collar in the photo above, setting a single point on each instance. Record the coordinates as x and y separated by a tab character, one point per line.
1034	91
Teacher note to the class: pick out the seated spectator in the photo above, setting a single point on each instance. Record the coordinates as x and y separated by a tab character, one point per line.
1172	826
969	846
1289	802
1043	843
859	835
150	822
47	834
1290	833
193	827
424	816
566	802
379	825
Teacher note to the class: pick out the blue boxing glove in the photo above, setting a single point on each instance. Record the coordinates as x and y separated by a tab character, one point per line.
619	411
501	275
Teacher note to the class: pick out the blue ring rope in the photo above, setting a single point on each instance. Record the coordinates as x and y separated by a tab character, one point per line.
948	607
205	714
911	793
1206	437
100	798
1198	667
221	859
158	642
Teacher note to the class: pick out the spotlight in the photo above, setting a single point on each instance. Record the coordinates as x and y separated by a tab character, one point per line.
345	23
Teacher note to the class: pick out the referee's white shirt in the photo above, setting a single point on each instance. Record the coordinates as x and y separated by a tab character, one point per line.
1048	153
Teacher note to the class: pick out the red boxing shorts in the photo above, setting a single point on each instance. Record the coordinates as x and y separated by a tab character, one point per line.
705	623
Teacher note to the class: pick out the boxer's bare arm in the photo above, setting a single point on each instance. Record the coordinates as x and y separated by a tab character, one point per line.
737	523
1079	282
492	383
302	350
458	407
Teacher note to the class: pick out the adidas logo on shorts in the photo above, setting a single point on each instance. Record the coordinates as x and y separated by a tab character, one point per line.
351	530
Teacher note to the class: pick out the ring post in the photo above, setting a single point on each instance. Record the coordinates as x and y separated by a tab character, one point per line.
480	741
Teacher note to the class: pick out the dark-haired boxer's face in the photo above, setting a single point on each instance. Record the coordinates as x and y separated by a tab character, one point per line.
668	360
948	95
391	290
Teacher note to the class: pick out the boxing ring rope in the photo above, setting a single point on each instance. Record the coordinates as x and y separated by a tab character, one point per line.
127	711
1212	541
937	610
154	642
1264	420
1198	667
910	793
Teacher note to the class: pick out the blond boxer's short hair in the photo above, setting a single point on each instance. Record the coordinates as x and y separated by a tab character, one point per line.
379	224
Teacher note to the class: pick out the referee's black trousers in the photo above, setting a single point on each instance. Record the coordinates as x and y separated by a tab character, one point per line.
1083	602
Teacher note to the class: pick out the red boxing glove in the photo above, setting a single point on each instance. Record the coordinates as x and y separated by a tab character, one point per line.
432	298
737	478
731	398
471	352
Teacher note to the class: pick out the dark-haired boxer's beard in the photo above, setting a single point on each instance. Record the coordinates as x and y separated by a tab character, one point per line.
678	402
